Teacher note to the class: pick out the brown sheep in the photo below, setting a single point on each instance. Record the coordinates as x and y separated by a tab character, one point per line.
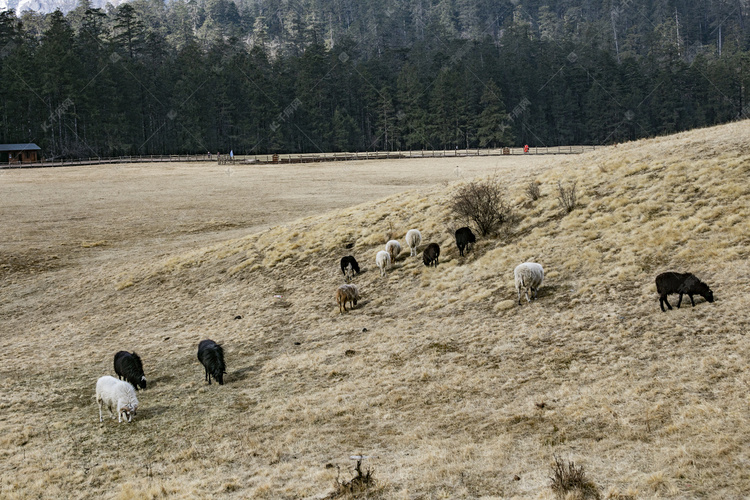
347	293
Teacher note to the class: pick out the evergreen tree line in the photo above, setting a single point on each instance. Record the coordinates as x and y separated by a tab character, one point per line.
149	78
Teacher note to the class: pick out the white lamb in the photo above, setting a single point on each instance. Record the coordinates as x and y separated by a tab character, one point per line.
383	260
116	394
529	276
413	239
393	247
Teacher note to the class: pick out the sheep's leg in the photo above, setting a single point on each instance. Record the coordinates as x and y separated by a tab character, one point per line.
661	304
679	302
691	299
100	409
518	290
666	301
526	292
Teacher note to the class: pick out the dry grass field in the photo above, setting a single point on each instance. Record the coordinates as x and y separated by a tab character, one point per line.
451	388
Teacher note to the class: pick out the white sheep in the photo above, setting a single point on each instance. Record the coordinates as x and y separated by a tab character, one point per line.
383	259
413	239
393	247
116	394
529	276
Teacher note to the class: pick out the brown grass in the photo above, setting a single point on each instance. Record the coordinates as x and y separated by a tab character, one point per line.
434	375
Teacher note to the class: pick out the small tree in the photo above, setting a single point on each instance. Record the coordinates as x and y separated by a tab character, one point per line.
481	203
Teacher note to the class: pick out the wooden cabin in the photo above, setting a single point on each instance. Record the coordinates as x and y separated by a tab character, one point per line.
19	153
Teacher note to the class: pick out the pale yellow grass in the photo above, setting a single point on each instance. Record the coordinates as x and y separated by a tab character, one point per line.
436	374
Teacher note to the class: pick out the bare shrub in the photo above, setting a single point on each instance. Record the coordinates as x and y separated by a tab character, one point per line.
567	478
567	196
359	485
533	190
483	204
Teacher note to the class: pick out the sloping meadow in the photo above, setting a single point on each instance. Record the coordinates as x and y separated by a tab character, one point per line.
447	385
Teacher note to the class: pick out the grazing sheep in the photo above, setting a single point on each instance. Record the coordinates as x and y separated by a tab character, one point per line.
413	239
116	395
383	259
211	356
347	293
464	238
349	266
683	284
431	254
128	366
393	247
529	276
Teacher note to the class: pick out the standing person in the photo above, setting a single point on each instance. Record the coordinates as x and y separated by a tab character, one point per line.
231	154
526	148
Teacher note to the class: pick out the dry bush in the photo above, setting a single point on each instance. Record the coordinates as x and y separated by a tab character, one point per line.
567	196
567	478
358	487
483	204
533	190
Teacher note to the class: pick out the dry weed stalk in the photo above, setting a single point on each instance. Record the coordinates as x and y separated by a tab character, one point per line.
566	478
533	190
359	485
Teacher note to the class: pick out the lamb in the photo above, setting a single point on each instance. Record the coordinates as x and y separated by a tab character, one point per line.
464	237
116	395
349	266
529	276
347	293
393	247
431	254
383	260
413	239
211	356
681	283
128	366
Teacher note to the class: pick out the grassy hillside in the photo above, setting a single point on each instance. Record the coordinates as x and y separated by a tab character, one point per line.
452	389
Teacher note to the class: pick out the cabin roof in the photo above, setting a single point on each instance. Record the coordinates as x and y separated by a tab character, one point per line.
29	146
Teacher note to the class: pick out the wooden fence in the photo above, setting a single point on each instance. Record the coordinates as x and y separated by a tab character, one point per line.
305	158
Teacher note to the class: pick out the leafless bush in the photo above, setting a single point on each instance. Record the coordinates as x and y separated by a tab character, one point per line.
567	196
533	190
359	485
483	204
566	478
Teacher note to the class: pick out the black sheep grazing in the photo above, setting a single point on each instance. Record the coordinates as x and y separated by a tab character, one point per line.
683	284
128	366
431	254
349	266
464	237
211	356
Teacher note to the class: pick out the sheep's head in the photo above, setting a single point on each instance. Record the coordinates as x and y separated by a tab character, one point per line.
129	411
142	383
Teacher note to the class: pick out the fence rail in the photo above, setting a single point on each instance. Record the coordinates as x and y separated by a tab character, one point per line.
304	158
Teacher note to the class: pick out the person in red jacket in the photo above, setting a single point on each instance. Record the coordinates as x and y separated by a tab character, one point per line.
526	148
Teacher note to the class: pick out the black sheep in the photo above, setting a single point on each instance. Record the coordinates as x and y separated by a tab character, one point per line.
128	366
349	266
683	284
431	254
464	237
211	356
